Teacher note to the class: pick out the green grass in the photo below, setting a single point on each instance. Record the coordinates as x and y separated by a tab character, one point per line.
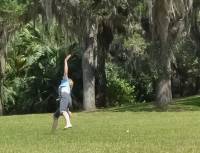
178	105
133	129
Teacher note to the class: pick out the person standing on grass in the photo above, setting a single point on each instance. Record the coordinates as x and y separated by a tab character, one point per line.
64	98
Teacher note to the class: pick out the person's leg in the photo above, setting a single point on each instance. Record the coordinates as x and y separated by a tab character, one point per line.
69	113
67	119
55	124
55	120
69	106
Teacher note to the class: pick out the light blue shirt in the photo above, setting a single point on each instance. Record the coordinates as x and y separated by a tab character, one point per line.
64	87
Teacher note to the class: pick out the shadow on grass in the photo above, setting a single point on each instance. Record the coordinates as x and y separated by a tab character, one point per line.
138	107
179	105
192	101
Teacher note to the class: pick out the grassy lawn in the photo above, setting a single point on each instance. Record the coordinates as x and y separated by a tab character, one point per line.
133	129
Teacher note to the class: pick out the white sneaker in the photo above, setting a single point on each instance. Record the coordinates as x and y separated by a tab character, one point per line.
68	126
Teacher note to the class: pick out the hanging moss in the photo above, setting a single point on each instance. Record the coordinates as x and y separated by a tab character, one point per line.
47	5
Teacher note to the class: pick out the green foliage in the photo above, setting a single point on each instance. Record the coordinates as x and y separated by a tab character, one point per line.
144	87
136	43
186	59
186	68
35	67
10	5
31	73
11	10
119	90
133	54
140	9
35	58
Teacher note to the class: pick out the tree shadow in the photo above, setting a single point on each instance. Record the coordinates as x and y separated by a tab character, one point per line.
178	105
192	101
137	107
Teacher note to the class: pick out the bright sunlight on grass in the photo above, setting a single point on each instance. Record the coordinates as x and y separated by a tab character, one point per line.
106	132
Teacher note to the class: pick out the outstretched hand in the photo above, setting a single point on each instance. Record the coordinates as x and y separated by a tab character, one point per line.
68	57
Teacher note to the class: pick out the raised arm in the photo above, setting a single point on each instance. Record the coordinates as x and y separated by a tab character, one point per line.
66	65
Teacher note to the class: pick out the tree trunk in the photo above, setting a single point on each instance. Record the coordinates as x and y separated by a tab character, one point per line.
2	61
164	92
105	37
1	84
100	78
166	27
161	17
1	108
88	66
197	85
1	100
2	64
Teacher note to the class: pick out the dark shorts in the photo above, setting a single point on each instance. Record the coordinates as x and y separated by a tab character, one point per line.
65	104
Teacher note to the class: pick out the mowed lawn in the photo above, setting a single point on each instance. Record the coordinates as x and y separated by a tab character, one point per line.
111	131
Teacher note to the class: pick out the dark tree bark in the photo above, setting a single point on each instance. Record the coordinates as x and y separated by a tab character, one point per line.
100	81
104	37
195	32
161	26
164	92
197	87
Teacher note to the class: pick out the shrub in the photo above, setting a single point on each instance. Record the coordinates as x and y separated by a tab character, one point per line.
119	89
